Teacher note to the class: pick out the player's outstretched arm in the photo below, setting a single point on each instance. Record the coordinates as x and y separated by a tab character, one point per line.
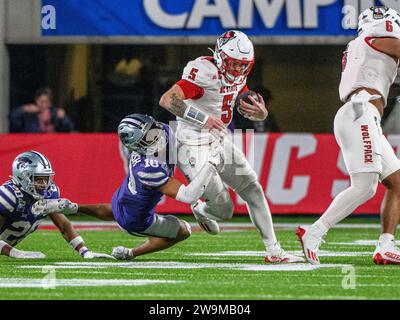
195	189
99	211
12	252
172	100
390	46
71	236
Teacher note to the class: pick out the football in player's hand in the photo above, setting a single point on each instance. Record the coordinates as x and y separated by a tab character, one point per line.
245	97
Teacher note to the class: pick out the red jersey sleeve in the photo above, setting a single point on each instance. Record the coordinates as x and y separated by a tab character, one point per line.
190	89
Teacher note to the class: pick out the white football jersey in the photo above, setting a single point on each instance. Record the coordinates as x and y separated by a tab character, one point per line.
364	66
217	100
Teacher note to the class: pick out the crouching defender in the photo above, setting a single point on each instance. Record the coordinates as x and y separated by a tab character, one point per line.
149	177
24	205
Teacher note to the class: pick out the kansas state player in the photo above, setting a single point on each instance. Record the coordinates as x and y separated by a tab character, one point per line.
27	199
150	176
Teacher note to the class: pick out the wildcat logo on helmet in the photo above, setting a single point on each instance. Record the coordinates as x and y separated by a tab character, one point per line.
23	162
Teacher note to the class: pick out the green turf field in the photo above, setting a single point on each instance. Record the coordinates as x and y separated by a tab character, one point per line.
227	266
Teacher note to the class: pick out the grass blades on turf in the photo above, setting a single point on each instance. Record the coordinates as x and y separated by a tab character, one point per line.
227	266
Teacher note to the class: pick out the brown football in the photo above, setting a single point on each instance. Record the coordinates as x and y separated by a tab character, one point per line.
245	97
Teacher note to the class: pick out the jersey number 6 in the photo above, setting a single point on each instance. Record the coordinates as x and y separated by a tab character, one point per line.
389	26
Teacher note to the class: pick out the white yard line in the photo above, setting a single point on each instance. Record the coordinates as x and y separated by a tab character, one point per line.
283	225
186	265
358	243
322	253
44	283
162	296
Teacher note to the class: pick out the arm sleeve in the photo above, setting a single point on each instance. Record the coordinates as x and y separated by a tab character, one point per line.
190	89
194	191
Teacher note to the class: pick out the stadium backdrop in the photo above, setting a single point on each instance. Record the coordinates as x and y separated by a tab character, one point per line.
300	173
200	18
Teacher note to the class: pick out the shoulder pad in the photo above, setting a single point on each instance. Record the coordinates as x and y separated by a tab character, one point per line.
8	199
381	30
201	72
152	174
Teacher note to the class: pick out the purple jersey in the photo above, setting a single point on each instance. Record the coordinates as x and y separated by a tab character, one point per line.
134	202
15	207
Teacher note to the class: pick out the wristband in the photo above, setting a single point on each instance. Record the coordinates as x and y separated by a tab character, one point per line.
75	242
2	245
83	250
195	116
15	253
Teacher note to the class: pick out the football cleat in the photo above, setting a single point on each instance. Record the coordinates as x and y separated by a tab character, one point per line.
276	254
208	225
387	253
310	239
122	253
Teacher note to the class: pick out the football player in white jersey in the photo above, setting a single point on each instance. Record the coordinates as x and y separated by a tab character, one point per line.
203	102
370	65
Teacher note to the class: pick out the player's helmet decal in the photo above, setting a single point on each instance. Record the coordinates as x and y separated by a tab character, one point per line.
227	36
23	162
379	12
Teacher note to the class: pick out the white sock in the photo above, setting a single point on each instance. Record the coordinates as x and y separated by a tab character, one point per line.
260	213
320	227
363	187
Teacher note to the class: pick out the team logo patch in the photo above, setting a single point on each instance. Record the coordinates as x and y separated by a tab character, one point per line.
379	12
22	162
226	37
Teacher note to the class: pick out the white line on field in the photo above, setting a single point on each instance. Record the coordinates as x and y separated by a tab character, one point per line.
359	243
38	283
213	296
187	265
227	224
322	253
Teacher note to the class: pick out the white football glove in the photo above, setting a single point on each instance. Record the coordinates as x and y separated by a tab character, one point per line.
19	254
94	255
49	206
216	155
122	253
219	135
